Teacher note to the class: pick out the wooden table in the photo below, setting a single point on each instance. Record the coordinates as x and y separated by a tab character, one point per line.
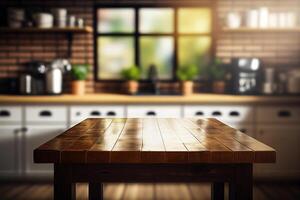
153	150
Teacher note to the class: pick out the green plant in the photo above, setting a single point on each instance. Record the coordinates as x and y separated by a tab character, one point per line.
217	71
187	73
79	71
131	73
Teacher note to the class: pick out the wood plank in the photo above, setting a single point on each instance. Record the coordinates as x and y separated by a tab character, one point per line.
262	153
196	151
127	148
219	152
101	150
153	148
176	152
77	151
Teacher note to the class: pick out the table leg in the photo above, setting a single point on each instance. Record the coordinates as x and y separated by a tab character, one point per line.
95	191
242	186
217	190
63	186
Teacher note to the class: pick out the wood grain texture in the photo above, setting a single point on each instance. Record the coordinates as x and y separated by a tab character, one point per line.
155	99
165	140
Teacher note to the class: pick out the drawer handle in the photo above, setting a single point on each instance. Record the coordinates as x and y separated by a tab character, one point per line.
234	113
111	113
199	113
151	113
78	113
243	130
284	113
95	113
216	113
4	113
45	113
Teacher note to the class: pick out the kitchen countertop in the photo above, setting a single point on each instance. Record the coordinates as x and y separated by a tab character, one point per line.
128	99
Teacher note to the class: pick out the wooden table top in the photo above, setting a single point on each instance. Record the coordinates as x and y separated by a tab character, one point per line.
152	140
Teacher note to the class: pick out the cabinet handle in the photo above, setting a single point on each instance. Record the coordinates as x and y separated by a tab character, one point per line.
234	113
4	113
151	113
243	130
78	113
284	113
45	113
199	113
95	113
216	113
111	113
24	129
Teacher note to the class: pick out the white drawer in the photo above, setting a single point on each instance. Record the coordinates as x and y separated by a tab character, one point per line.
154	111
10	113
79	113
222	113
283	114
56	114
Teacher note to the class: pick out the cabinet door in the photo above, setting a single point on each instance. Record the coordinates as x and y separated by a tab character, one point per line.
79	113
224	113
285	139
172	111
34	137
9	150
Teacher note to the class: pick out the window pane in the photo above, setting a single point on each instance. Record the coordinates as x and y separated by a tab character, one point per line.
159	52
115	20
194	20
156	20
114	54
194	50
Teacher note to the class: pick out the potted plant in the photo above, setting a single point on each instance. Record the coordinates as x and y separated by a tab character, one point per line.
217	73
79	73
132	75
186	75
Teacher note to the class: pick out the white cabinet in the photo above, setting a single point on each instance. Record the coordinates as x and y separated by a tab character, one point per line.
10	148
285	139
278	114
172	111
46	114
279	127
35	135
226	113
10	115
42	123
81	112
239	117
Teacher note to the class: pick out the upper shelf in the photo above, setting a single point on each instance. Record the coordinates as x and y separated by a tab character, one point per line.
86	29
257	30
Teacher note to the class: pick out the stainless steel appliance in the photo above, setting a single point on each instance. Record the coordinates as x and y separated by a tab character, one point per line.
293	81
269	85
246	75
54	75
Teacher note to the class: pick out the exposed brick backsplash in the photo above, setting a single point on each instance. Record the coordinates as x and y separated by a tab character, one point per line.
279	49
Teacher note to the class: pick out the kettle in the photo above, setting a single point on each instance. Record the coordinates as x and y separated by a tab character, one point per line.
54	75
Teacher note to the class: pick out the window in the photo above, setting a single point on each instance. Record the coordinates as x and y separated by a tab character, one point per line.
167	37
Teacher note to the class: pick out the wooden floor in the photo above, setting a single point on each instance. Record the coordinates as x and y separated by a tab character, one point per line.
43	191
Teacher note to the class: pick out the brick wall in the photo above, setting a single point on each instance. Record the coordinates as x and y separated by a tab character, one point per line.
279	49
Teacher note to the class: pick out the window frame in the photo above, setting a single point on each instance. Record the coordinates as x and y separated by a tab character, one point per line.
136	34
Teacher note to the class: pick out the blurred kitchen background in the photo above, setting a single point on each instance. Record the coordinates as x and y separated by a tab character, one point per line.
64	61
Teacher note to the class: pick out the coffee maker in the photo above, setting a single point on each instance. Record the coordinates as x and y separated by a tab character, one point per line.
246	75
32	81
